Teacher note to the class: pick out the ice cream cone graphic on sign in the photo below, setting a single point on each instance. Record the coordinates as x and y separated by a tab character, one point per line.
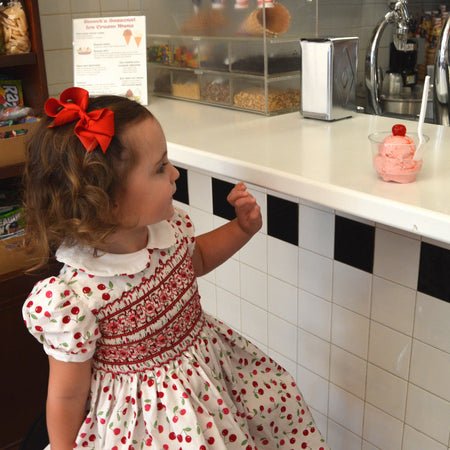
137	37
127	35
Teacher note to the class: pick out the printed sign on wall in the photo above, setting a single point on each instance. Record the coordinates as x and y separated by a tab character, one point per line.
109	56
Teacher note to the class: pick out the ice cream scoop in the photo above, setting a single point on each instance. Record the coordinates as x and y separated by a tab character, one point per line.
394	155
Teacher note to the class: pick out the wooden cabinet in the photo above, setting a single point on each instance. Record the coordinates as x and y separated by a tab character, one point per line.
24	365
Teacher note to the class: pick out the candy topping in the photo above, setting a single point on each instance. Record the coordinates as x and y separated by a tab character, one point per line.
399	130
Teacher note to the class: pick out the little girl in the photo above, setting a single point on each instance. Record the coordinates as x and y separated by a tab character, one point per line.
134	361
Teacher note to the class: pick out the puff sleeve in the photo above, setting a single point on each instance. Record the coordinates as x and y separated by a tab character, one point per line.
65	325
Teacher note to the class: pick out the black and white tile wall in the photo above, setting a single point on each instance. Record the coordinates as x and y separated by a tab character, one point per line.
358	312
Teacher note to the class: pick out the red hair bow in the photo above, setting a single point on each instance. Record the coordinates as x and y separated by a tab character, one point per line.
94	128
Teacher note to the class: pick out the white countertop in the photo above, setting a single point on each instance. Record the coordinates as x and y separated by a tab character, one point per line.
328	163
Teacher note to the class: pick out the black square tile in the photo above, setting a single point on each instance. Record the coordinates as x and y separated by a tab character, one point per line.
182	193
434	269
354	243
282	219
221	207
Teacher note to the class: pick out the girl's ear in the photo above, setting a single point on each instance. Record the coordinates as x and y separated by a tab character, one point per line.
115	209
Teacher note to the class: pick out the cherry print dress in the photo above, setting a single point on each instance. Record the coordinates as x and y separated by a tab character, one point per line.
165	375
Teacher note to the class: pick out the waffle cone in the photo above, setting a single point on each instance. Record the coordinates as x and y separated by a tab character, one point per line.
207	22
277	21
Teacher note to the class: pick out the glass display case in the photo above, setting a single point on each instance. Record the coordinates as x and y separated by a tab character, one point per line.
246	58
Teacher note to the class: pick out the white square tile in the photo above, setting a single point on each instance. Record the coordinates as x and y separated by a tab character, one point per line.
316	230
316	206
282	337
254	253
381	429
227	276
352	288
55	31
414	440
430	369
396	258
113	5
207	292
341	439
135	5
52	7
386	391
389	350
253	286
313	353
314	389
229	308
200	191
282	260
254	322
428	414
314	314
59	66
348	371
83	6
346	409
315	273
393	305
203	221
432	324
282	300
350	331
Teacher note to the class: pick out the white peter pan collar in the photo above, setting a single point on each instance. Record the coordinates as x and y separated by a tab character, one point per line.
161	235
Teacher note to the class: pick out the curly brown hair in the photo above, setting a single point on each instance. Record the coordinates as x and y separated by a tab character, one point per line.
69	192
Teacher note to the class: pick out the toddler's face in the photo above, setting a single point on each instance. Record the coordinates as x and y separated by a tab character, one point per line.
147	194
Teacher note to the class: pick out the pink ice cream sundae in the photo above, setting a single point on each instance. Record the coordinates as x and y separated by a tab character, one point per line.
395	158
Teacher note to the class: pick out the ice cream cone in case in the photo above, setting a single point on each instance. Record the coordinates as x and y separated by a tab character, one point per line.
278	20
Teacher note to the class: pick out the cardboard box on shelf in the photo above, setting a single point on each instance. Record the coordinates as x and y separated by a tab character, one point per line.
13	255
12	150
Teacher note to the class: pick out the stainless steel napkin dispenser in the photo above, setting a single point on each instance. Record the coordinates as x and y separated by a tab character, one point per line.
329	71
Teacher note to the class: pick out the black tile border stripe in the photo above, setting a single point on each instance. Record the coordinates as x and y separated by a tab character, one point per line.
434	271
354	243
282	219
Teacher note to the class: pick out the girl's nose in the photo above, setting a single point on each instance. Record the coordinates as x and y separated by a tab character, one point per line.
175	173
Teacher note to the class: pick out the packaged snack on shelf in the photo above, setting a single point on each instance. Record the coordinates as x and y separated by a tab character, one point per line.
2	41
12	150
11	93
9	200
15	29
15	113
12	223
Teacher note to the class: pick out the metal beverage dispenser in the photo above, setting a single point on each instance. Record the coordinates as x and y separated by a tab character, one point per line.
329	77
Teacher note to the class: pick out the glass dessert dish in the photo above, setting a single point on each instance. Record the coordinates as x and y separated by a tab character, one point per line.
393	154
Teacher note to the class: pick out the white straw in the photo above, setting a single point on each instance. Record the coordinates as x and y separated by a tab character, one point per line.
423	108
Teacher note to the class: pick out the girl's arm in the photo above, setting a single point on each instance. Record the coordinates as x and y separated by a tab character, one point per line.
68	390
215	247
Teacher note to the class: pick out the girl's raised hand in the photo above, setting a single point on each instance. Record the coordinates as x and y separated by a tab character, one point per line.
248	212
